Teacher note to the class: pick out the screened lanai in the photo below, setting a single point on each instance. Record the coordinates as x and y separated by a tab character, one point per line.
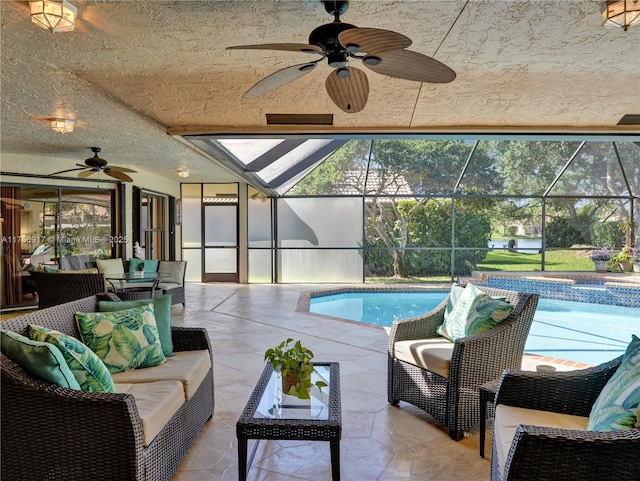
370	209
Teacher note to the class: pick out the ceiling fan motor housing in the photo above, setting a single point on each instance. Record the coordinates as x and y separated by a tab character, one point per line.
96	162
326	37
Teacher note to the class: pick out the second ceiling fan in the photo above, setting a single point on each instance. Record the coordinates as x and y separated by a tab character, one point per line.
381	51
96	164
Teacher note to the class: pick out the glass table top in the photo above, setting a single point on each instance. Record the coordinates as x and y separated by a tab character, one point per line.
274	404
126	276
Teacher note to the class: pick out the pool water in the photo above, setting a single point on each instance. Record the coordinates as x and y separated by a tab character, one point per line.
575	331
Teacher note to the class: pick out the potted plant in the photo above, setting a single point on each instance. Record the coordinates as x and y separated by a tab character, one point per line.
623	258
138	254
293	361
601	258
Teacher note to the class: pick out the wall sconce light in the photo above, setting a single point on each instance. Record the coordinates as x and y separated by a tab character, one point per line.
62	125
184	173
621	13
54	15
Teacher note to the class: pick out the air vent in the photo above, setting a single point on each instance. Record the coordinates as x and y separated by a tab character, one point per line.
299	119
630	119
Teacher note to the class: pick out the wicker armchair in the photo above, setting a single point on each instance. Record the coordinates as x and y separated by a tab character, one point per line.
57	288
569	455
453	400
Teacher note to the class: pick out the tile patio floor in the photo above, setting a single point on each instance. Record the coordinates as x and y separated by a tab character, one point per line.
379	442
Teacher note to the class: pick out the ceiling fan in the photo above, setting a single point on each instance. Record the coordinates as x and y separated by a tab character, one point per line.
381	51
96	164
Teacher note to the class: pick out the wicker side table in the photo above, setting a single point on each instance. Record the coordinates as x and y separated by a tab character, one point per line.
488	392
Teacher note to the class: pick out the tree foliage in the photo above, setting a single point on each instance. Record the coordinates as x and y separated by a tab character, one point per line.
408	184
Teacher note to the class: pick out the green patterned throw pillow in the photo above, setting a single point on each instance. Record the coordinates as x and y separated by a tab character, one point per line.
40	359
454	295
124	340
86	367
473	313
162	312
619	401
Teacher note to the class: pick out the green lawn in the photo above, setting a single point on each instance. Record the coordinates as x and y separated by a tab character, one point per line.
502	260
566	260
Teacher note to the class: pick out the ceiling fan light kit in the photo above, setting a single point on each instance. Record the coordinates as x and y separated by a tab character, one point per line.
53	15
382	51
621	13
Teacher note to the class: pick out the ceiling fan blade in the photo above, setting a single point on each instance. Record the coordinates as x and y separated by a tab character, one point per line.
68	170
119	175
348	87
289	47
84	166
119	169
87	173
278	79
408	65
372	40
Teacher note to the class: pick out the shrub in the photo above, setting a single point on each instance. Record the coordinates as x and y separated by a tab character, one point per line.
560	233
607	234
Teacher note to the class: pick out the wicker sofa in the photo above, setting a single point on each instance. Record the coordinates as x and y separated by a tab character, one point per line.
55	433
529	402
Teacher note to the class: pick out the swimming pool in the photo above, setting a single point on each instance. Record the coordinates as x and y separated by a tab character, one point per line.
575	331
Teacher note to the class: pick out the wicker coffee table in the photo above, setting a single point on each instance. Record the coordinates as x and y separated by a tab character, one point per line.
271	415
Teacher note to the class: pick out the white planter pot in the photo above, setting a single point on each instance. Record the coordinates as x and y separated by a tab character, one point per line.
636	267
601	266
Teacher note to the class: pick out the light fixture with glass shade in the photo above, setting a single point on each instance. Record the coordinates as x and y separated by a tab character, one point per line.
621	13
62	125
184	173
54	15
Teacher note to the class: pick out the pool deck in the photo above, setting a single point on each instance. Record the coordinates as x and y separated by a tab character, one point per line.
629	279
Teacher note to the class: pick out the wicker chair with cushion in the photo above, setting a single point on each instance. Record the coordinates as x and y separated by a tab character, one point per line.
526	449
442	377
57	288
174	273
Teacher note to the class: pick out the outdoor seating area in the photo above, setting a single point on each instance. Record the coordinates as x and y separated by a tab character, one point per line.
400	238
379	440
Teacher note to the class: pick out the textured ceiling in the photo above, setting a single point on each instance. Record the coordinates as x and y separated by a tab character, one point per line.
132	70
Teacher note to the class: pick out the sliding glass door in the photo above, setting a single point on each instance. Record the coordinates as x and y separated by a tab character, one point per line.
66	228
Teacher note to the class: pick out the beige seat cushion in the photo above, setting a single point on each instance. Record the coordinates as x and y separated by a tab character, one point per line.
168	285
157	402
507	420
172	271
431	354
110	266
188	367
